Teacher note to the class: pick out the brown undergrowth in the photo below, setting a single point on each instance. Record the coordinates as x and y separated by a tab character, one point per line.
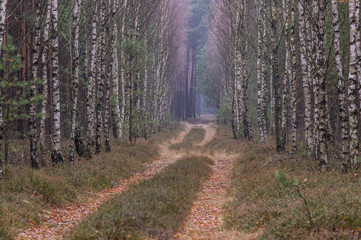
263	208
25	194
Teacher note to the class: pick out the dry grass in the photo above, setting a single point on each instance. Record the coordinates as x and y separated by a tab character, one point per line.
262	205
223	142
154	208
167	133
25	194
191	140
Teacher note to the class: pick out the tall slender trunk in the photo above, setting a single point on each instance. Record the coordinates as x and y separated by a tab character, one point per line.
288	70
238	76
122	70
92	83
260	79
145	91
352	86
44	59
56	153
33	89
341	86
280	140
3	16
108	81
305	79
293	77
265	119
75	74
311	61
115	75
322	83
314	45
247	128
358	45
102	76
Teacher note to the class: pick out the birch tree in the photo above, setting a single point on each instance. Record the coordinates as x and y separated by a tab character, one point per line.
261	105
341	86
33	89
352	85
293	76
3	16
101	79
114	63
91	85
56	155
306	81
75	74
44	58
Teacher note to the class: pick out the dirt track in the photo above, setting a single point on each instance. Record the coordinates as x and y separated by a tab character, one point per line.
205	219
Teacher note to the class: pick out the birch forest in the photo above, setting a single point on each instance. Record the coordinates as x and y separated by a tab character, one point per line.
180	119
83	72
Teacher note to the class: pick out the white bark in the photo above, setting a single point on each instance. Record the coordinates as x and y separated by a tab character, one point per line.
91	85
44	59
33	89
3	16
352	86
75	74
56	154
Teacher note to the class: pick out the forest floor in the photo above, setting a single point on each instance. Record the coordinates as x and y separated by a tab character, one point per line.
206	185
62	219
202	220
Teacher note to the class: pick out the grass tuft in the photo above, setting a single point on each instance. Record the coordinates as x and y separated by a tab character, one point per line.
155	208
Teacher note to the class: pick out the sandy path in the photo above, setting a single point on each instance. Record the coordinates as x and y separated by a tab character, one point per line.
210	133
205	220
61	220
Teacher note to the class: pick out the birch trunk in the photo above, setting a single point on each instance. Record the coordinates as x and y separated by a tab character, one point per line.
352	86
56	153
115	75
358	46
280	141
293	77
3	6
33	89
322	82
305	79
102	76
260	79
75	74
314	45
108	83
44	59
122	70
245	101
288	70
91	85
145	91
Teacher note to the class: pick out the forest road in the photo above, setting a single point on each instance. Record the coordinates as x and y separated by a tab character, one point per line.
61	220
205	220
